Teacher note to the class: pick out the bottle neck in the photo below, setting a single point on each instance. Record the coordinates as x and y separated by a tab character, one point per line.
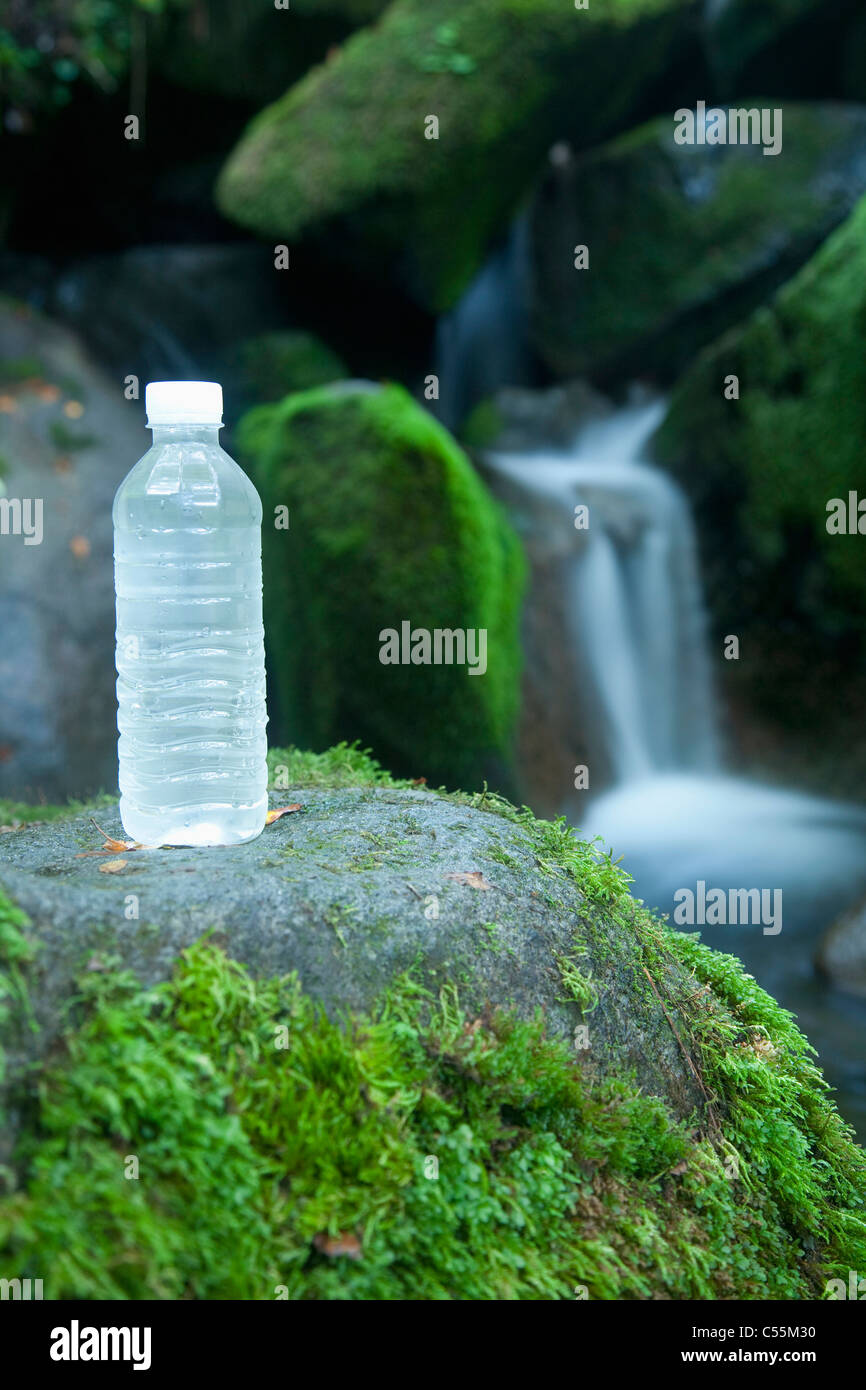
176	433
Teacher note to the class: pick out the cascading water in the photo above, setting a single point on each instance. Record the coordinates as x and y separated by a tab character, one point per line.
633	605
483	342
633	614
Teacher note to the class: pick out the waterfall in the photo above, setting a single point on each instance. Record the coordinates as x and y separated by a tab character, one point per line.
624	599
633	604
633	616
482	343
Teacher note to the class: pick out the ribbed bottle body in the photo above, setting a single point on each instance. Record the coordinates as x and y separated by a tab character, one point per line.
190	646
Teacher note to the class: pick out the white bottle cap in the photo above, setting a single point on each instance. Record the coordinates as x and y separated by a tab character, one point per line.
183	403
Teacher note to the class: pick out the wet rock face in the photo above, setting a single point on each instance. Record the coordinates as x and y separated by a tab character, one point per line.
351	891
67	438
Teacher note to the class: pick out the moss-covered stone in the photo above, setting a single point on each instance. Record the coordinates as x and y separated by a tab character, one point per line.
344	155
761	471
684	240
388	523
444	1139
269	366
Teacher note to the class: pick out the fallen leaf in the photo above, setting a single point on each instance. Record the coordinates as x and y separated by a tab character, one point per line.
62	464
8	405
344	1244
73	410
46	391
419	781
282	811
475	879
113	866
80	547
111	846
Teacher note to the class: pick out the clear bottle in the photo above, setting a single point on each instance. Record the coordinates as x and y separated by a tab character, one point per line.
190	643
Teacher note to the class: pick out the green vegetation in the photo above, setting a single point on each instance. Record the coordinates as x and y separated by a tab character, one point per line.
16	813
273	364
388	522
91	40
418	1152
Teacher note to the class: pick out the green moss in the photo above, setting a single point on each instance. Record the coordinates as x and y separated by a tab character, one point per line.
482	426
84	41
388	522
272	364
498	74
67	440
446	1157
18	813
17	369
343	765
761	471
578	984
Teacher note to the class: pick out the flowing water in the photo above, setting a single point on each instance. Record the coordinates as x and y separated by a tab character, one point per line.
483	341
635	623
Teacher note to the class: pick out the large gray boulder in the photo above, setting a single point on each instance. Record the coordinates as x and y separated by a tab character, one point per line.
352	890
67	438
431	1145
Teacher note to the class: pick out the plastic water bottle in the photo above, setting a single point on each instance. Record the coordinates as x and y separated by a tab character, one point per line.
190	643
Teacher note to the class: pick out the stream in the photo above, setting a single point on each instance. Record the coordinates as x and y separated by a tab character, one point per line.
675	816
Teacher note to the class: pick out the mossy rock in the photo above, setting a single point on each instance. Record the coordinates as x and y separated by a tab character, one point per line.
388	522
344	156
761	471
684	240
270	365
537	1091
